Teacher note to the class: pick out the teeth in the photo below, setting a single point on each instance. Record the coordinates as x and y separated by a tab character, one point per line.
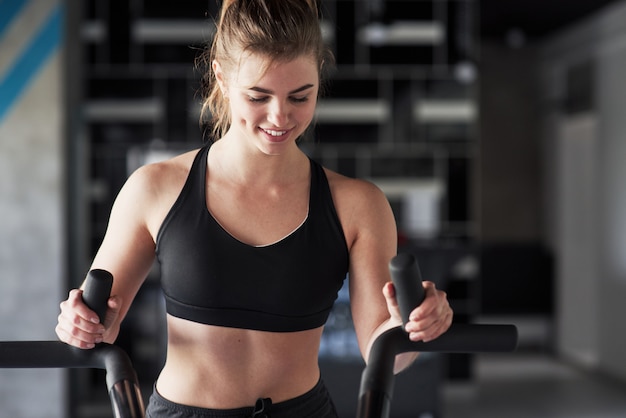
275	133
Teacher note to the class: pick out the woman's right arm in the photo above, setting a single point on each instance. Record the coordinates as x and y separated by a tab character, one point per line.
127	251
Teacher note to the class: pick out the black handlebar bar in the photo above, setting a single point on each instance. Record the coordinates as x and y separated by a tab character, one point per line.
377	379
407	279
122	382
97	290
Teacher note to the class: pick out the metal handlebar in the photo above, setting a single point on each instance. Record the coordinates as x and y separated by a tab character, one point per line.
122	382
377	380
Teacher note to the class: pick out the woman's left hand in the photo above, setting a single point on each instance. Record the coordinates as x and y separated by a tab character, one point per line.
430	319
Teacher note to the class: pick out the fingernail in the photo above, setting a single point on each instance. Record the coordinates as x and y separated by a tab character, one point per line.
95	320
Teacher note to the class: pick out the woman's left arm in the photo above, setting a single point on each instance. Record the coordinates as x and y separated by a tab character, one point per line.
371	233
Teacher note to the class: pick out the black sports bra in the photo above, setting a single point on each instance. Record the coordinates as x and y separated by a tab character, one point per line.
210	277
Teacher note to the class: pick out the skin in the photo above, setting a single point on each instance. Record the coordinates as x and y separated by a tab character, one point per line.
262	180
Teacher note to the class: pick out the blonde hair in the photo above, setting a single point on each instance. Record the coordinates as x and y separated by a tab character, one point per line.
281	30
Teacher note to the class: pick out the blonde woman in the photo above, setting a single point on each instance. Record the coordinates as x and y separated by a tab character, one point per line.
254	238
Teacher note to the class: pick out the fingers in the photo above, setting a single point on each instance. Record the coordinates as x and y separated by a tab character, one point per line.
77	324
432	318
429	320
428	330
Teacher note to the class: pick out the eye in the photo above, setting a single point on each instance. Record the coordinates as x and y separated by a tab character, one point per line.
262	99
302	99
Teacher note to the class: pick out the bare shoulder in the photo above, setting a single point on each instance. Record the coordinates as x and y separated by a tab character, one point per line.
348	190
152	189
163	174
362	207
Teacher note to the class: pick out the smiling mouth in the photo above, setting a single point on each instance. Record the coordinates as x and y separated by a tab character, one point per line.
273	132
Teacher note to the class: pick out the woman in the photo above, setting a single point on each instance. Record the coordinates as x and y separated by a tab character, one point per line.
254	239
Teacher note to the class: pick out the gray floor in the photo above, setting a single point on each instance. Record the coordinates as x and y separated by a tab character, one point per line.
534	385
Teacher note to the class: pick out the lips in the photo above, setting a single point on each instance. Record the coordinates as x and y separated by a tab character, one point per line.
273	132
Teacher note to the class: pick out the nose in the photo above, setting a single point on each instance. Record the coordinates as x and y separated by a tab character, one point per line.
278	113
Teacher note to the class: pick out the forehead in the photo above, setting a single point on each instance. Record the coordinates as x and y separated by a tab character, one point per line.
258	70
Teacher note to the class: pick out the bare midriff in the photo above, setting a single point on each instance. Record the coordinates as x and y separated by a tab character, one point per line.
223	368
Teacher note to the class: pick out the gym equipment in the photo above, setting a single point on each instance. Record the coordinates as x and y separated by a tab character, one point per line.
122	382
377	380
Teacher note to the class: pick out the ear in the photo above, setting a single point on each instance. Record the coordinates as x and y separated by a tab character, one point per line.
219	77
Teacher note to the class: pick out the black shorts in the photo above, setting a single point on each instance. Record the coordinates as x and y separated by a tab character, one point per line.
316	403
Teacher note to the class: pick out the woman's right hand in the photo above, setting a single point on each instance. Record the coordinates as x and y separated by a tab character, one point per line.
80	327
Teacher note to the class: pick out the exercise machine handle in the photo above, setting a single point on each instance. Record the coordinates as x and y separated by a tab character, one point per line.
407	280
122	382
377	379
97	290
121	378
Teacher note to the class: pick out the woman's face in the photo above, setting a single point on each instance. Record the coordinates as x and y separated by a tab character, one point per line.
271	106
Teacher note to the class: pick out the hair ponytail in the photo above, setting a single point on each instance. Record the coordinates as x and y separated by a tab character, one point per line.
225	5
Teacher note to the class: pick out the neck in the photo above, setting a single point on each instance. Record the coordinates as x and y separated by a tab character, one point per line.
248	165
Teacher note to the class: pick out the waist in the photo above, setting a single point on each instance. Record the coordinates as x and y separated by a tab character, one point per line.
314	402
219	367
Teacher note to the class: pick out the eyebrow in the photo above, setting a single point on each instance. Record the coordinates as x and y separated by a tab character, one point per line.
266	91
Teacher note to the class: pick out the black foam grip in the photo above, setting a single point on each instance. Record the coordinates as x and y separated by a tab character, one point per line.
407	280
97	290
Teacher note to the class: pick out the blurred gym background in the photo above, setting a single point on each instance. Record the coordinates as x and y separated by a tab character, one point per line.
496	128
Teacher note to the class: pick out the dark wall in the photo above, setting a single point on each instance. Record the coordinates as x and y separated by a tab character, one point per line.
516	265
510	164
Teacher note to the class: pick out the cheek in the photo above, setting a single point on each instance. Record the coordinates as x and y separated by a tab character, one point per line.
244	113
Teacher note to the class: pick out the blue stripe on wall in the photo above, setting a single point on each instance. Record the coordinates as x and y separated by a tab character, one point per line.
8	10
30	61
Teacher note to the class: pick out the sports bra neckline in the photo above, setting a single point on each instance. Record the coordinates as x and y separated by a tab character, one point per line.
204	161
